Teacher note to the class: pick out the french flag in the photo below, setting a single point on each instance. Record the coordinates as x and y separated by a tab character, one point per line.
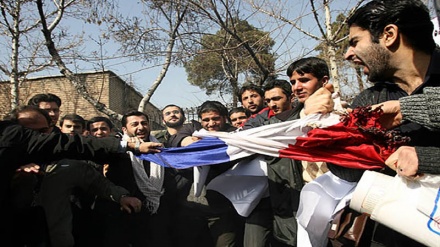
316	137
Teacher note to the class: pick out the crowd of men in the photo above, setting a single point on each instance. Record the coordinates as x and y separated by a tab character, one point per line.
71	182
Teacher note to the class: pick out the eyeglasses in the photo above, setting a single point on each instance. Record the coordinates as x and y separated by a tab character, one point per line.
175	112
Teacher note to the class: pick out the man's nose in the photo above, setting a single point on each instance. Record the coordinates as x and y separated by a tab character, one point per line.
297	86
349	54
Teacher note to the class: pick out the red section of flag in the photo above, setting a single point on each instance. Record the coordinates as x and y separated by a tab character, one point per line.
357	142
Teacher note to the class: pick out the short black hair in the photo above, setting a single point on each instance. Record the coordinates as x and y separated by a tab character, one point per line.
172	105
411	16
239	109
44	97
212	105
99	119
311	65
132	113
74	118
250	87
284	85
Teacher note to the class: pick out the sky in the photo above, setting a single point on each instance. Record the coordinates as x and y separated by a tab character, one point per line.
175	89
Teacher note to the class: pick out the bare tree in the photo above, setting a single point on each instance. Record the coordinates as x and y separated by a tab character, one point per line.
321	31
47	30
19	24
152	38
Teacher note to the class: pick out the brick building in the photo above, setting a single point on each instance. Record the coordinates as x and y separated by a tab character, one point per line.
106	87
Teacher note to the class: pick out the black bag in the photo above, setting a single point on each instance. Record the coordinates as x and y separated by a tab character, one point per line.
350	228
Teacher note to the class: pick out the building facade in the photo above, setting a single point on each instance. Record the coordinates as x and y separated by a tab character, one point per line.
106	87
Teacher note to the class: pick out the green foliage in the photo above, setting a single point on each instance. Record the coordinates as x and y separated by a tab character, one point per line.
223	60
341	37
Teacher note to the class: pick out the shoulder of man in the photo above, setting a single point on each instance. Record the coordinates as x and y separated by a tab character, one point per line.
258	119
374	95
159	135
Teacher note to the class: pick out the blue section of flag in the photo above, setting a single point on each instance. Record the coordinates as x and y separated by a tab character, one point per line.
207	151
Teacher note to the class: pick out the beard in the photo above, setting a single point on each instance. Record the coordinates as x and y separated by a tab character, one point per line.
175	124
377	58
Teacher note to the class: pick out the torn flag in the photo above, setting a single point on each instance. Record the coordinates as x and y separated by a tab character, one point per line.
356	141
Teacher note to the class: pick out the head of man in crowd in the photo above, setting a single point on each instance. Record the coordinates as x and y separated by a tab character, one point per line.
100	127
252	98
385	33
136	124
72	124
238	115
278	95
48	102
31	117
173	116
306	76
213	115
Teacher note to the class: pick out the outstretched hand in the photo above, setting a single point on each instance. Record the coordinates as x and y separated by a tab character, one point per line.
150	147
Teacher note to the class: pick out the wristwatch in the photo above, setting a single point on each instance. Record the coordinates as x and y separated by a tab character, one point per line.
137	146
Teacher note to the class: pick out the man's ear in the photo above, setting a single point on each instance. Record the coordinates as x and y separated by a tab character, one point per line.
124	130
324	80
390	35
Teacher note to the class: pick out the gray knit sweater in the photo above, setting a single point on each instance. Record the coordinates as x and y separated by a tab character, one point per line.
424	109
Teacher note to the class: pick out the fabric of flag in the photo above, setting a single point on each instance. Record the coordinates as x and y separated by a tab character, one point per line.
356	141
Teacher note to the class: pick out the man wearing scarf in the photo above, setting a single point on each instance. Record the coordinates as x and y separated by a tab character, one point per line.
147	181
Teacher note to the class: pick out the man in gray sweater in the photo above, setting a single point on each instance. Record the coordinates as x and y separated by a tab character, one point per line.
422	109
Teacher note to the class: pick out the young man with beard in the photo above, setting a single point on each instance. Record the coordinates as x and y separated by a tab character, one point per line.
393	41
149	182
173	118
272	223
209	215
252	99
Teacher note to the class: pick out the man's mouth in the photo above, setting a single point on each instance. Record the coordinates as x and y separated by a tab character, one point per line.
140	134
300	95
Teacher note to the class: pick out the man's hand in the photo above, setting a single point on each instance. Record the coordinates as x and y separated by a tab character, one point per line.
150	147
392	117
189	140
30	168
130	204
320	102
404	161
146	147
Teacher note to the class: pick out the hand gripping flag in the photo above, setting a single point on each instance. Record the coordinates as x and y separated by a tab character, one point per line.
355	140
